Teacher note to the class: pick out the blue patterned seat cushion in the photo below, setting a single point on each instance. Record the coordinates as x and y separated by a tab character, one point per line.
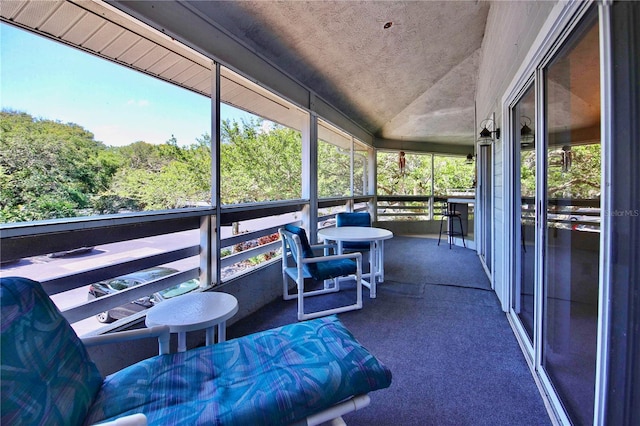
270	378
47	377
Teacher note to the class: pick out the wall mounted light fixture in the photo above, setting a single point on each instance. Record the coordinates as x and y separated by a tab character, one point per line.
486	135
527	139
566	158
469	158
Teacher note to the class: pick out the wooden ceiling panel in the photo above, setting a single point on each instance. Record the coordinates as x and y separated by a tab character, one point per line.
201	82
83	29
62	19
136	51
186	75
34	14
105	35
118	47
10	9
177	69
151	57
168	60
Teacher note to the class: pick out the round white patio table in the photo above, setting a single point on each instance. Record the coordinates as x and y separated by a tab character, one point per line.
194	311
375	236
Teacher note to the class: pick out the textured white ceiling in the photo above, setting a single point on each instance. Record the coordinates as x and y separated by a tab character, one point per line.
413	81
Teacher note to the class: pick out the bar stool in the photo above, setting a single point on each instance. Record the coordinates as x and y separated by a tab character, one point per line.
450	213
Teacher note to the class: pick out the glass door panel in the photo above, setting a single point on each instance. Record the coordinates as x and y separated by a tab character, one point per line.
523	115
572	234
485	170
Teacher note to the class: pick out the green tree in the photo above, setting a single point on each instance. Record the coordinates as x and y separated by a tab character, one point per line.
451	174
158	177
48	169
334	165
412	179
257	165
574	172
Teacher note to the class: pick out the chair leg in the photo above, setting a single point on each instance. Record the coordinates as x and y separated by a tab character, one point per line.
440	234
301	295
462	232
300	288
380	261
285	287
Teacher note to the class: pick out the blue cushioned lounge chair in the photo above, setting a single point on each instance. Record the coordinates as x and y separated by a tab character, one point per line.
305	373
320	268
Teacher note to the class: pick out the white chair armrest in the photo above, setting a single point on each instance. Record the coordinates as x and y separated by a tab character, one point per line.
160	331
355	255
327	248
319	246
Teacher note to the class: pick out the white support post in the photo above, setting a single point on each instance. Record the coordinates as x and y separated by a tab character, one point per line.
373	182
310	177
213	233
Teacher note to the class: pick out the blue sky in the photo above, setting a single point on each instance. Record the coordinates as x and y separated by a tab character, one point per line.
118	105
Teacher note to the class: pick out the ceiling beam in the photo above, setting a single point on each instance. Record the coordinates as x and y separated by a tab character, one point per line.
415	146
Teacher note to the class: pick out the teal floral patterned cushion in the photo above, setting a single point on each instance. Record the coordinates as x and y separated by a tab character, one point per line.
270	378
47	377
274	377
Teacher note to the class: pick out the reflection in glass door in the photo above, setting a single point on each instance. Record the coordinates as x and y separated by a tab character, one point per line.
522	303
485	221
572	225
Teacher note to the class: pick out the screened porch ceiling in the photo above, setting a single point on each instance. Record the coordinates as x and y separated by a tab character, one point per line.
413	81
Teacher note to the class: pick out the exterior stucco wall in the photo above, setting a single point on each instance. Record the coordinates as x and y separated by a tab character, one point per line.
512	28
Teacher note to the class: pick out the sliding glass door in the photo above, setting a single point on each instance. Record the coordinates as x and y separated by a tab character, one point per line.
485	210
572	221
555	124
523	294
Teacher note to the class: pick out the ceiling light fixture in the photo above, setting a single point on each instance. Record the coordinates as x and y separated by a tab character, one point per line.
388	25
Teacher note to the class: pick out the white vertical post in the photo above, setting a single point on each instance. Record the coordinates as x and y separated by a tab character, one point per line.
310	176
211	230
373	183
351	168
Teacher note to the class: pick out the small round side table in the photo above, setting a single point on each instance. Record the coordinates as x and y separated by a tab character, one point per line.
194	311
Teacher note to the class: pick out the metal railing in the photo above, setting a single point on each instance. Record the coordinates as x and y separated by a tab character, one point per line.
248	234
248	237
565	213
403	207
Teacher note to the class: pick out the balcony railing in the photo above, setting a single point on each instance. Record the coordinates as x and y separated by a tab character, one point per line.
187	242
565	213
408	207
186	238
405	207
